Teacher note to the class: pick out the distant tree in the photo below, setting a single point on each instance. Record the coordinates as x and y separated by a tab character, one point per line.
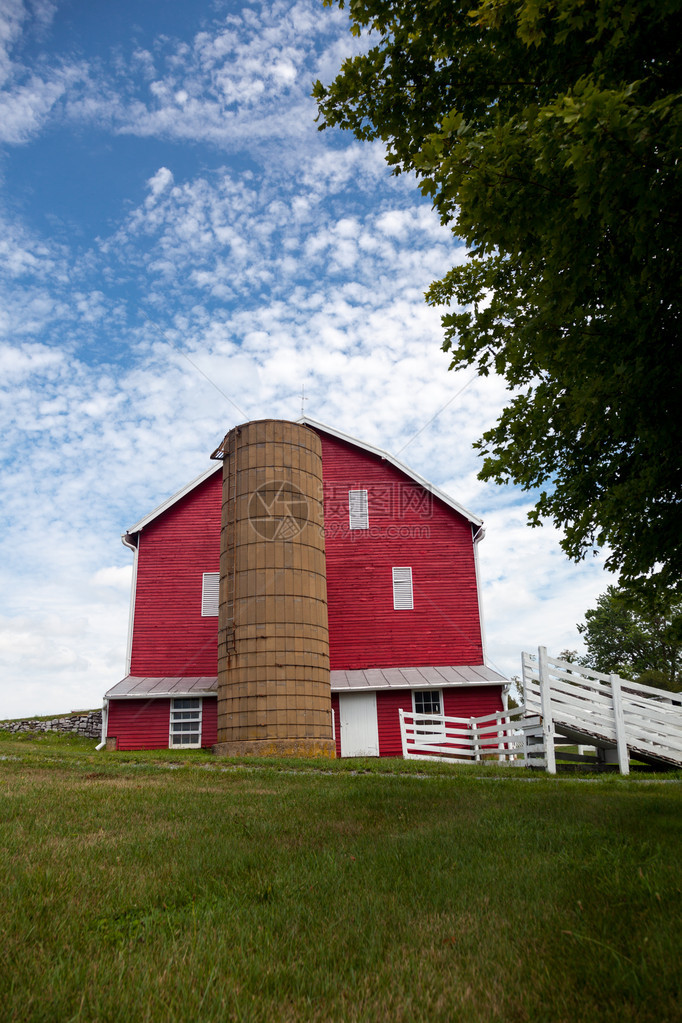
569	655
515	695
548	135
636	635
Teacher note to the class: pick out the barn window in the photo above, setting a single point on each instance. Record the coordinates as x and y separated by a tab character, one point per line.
209	594
185	724
358	511
428	701
402	589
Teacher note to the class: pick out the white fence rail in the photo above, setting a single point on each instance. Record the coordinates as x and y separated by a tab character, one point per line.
563	704
462	740
604	710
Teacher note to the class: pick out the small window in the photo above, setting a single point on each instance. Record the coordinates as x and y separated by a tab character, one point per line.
428	701
358	511
210	594
402	589
185	724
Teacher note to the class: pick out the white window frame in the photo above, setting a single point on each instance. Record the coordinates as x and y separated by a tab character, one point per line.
358	509
403	595
210	594
426	726
185	711
431	693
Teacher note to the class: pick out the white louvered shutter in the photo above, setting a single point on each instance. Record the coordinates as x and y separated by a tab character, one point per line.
402	589
210	594
358	511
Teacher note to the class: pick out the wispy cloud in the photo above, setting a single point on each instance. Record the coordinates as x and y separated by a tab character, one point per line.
244	81
28	95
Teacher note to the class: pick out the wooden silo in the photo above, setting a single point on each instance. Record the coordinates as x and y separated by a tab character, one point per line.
274	694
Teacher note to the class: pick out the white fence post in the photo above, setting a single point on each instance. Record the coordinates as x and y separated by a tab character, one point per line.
502	732
473	727
619	721
403	731
546	710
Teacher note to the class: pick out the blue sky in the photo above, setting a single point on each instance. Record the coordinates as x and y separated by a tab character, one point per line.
182	250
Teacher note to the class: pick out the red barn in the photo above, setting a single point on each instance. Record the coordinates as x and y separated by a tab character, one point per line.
404	613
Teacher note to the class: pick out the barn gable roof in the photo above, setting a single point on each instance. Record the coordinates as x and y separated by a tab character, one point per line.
386	457
322	428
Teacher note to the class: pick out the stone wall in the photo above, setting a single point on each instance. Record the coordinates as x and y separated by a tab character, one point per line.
87	724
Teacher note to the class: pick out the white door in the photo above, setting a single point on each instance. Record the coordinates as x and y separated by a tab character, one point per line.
359	728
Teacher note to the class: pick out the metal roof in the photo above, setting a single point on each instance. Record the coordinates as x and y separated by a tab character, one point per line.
415	678
134	687
305	421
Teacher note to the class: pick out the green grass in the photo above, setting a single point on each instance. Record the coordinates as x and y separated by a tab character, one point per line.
350	891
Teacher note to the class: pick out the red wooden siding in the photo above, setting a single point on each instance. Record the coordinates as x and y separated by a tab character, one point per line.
145	724
209	721
388	705
407	527
139	724
170	637
472	701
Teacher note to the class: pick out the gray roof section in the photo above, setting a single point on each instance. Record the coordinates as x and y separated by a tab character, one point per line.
415	678
363	680
134	687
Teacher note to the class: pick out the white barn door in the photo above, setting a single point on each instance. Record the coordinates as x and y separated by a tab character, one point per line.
359	727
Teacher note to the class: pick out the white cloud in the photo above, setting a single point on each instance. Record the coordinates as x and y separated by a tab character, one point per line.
27	98
160	182
116	577
25	108
533	596
21	363
244	80
13	14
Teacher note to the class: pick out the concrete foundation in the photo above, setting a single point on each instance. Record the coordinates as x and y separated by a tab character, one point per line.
277	748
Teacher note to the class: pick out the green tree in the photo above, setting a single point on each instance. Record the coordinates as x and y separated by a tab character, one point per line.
637	636
548	134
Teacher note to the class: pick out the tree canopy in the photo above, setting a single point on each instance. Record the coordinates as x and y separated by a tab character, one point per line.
636	636
548	135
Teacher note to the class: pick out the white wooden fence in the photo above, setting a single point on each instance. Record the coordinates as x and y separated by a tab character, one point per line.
563	704
605	711
463	740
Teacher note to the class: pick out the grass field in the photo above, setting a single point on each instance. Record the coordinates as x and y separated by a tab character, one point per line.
172	886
